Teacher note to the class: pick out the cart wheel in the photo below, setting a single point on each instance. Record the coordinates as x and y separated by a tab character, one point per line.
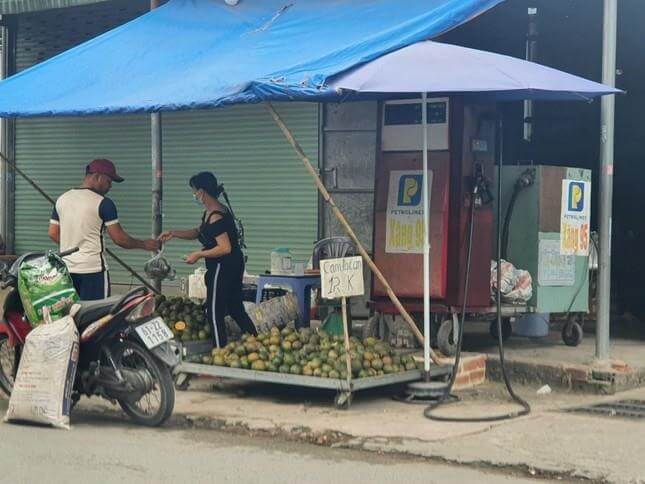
182	381
572	333
578	318
445	338
507	329
343	400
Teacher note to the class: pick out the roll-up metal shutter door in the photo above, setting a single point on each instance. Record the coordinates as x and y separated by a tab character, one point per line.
270	190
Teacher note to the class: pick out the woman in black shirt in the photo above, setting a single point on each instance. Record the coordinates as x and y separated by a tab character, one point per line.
223	256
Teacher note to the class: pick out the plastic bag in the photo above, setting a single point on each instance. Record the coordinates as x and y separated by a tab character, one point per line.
158	268
44	282
197	284
516	284
42	391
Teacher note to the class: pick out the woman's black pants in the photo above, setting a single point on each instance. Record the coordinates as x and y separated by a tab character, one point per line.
224	296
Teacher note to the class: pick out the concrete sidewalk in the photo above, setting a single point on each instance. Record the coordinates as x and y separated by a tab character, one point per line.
548	442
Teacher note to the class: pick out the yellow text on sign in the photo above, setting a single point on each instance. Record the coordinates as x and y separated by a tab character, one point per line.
575	239
405	236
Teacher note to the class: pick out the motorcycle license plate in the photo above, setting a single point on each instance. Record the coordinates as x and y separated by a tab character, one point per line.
154	332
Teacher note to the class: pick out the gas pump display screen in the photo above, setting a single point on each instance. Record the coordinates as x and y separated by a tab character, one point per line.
409	114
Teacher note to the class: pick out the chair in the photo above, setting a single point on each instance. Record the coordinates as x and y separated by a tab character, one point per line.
301	286
332	248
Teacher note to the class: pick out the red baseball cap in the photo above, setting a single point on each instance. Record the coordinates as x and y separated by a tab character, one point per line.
103	166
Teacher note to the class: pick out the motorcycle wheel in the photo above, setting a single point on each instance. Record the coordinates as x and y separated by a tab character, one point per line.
156	406
9	359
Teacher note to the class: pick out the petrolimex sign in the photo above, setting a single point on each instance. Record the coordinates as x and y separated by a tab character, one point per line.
404	217
575	217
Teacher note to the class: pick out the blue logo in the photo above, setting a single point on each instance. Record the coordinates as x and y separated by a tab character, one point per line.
576	198
410	188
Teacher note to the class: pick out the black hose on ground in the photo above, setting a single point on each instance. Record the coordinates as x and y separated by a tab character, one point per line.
526	408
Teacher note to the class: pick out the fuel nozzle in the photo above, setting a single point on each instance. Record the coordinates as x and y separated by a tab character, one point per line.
481	187
526	179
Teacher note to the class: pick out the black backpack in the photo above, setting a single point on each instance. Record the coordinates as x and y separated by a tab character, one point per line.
239	226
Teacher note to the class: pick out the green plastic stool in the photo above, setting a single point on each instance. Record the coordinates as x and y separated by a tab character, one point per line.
333	324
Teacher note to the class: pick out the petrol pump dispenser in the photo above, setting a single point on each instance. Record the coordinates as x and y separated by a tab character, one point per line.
546	231
461	152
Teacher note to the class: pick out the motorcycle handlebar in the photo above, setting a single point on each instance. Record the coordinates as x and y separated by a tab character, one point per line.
10	275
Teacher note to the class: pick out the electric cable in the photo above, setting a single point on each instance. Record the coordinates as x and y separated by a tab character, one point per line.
568	326
581	285
526	408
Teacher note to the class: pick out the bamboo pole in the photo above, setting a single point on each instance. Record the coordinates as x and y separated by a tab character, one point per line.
46	196
439	360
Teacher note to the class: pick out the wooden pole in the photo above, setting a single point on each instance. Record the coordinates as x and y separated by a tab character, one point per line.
348	357
439	360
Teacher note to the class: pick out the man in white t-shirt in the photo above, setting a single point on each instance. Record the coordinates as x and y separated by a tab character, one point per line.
79	219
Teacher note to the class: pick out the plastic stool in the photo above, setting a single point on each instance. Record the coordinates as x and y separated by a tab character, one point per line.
301	287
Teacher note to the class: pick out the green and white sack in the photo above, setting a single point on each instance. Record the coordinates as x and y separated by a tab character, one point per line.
45	282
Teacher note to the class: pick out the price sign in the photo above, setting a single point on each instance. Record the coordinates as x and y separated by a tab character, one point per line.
341	277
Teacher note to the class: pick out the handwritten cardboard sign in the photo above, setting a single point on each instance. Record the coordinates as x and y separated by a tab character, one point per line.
341	277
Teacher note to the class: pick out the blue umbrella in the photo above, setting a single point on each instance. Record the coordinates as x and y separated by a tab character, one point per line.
437	68
434	67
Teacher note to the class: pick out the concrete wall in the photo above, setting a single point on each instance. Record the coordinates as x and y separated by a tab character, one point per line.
348	157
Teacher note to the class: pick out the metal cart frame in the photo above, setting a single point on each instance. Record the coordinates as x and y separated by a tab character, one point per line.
344	393
449	318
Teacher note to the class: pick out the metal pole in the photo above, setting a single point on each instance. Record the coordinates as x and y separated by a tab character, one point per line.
4	168
157	169
157	173
426	240
606	179
7	144
531	54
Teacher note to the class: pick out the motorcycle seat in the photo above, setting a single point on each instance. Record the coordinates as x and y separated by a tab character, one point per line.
92	310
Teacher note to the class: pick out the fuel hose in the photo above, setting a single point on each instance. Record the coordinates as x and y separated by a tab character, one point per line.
447	395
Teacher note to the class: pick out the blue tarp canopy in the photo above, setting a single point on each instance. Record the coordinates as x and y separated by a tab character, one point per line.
191	54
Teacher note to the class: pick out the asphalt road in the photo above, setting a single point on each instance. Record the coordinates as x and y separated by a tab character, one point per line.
111	450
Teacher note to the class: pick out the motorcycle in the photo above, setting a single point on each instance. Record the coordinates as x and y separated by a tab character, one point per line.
126	353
